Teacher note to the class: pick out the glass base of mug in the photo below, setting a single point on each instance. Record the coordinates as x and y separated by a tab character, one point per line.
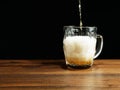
78	66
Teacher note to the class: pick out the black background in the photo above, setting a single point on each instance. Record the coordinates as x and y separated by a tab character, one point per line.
34	30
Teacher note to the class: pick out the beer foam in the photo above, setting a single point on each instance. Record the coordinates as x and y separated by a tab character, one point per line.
80	47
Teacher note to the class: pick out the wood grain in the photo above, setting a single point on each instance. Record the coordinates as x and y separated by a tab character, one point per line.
54	75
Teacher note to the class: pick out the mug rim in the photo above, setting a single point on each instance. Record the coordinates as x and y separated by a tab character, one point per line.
80	26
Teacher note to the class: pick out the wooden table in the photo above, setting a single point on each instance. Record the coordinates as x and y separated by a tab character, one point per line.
53	75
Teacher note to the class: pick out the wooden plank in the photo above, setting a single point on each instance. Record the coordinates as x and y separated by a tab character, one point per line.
53	75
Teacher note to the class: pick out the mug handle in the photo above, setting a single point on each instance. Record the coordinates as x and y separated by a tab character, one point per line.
100	45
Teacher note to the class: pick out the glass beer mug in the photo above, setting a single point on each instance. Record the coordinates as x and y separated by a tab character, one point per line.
79	44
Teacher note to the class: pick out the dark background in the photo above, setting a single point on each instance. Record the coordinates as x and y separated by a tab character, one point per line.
34	30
